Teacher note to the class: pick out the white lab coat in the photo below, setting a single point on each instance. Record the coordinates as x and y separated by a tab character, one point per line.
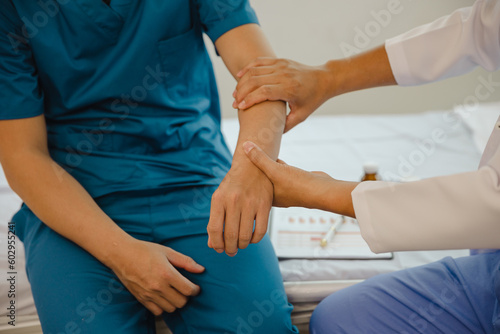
449	212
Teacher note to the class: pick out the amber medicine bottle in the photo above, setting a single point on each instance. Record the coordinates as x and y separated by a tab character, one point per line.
371	170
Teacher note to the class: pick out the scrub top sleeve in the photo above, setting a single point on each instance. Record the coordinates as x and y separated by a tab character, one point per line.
219	16
20	94
450	46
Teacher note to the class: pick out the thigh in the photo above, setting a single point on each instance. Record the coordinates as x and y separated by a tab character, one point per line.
241	294
73	291
448	296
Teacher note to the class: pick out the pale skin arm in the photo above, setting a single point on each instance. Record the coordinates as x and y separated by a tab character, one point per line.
293	186
246	193
146	269
306	88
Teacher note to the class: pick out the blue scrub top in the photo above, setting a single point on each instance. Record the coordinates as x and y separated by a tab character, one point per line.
127	90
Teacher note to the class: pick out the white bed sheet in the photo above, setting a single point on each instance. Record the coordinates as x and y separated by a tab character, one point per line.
337	145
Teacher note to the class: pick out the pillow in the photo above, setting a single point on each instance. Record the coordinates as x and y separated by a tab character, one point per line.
480	120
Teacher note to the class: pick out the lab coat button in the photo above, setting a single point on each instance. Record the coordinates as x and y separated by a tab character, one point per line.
497	126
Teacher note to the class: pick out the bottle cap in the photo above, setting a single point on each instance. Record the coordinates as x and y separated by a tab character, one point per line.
370	167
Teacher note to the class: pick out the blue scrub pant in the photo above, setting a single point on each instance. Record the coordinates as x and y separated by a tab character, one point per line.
75	293
449	296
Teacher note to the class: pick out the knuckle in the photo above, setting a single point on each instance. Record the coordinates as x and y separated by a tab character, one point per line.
266	90
213	229
216	197
245	237
234	198
147	296
155	286
231	235
166	275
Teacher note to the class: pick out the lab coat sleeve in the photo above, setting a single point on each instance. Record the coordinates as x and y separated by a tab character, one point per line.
20	94
449	46
450	212
219	16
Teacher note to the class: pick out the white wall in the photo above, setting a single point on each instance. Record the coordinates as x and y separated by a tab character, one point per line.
313	32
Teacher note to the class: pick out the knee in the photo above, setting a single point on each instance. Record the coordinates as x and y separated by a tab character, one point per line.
266	317
335	314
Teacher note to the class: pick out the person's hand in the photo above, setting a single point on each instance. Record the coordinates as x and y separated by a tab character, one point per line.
244	196
148	271
292	186
305	88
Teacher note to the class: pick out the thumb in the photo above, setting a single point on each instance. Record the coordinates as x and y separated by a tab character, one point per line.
259	158
292	120
183	261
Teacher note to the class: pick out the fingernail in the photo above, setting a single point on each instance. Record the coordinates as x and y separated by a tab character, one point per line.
240	73
242	105
234	94
235	105
219	250
232	254
248	146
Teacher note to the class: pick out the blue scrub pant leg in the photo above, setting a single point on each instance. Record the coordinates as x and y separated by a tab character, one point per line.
75	293
449	296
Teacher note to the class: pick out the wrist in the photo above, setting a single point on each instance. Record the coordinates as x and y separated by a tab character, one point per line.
243	167
112	251
334	78
337	198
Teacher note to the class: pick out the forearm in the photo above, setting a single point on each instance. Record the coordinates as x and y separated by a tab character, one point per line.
63	204
367	70
264	123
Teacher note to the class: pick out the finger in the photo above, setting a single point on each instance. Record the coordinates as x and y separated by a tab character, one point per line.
261	94
262	61
281	162
216	223
171	296
260	159
246	228
209	243
261	222
155	309
183	261
177	281
292	120
167	305
253	75
232	226
249	84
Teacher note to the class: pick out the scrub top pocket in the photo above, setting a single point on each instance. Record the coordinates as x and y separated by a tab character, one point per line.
187	67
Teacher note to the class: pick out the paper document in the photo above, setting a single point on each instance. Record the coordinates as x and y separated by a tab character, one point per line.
297	233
